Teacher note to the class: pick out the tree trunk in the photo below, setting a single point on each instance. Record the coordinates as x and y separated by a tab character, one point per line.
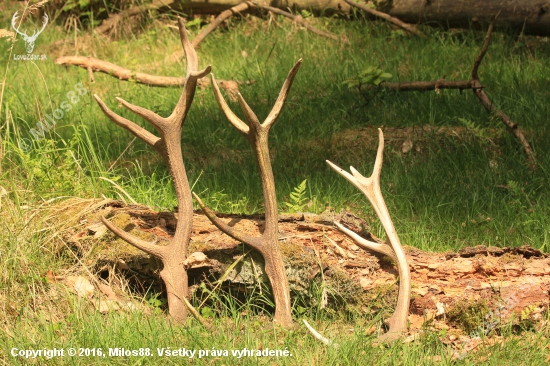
531	16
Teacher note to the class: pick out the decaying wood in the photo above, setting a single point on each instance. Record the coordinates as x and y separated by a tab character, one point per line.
168	145
508	280
407	27
530	16
93	64
256	134
475	85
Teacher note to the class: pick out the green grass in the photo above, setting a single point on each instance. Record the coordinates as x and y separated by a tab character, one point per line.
433	193
449	195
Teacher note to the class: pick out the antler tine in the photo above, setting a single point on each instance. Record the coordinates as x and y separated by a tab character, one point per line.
13	19
192	75
280	102
190	53
350	178
367	244
250	240
147	247
158	122
46	18
231	117
152	140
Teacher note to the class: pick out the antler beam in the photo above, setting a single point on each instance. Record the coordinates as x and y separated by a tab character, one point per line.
256	134
168	145
370	187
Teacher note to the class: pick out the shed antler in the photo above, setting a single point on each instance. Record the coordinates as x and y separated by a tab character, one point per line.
370	186
256	134
168	145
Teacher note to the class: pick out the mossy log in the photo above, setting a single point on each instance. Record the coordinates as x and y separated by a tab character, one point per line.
506	280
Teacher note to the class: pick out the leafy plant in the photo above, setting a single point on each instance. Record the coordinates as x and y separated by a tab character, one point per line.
298	201
195	23
369	76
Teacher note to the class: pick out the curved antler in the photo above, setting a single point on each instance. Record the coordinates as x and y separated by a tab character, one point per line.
256	134
168	145
370	187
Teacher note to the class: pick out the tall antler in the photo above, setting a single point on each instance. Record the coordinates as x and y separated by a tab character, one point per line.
168	145
371	189
256	134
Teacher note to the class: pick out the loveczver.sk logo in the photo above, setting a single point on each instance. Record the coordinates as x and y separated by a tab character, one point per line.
29	40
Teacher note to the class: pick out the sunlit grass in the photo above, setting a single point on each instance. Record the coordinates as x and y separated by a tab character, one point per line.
456	191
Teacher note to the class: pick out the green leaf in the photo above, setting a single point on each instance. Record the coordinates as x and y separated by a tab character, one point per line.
194	23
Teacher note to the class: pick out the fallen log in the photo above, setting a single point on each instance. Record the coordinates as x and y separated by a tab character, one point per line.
529	16
505	281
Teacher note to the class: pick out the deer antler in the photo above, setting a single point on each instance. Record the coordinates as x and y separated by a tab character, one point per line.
370	186
256	134
168	145
29	40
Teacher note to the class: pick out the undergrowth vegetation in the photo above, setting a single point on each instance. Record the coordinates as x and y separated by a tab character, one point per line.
473	187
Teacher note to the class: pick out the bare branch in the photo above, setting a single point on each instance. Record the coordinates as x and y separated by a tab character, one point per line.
94	64
409	28
120	72
219	19
483	51
430	85
115	19
298	19
513	126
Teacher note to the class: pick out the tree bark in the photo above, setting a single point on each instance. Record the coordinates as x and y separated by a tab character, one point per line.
530	16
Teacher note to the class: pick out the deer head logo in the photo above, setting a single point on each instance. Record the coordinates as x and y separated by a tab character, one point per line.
29	40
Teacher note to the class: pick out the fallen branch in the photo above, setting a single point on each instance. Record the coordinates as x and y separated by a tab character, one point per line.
298	19
93	64
115	19
490	107
219	19
475	84
237	9
407	27
434	85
